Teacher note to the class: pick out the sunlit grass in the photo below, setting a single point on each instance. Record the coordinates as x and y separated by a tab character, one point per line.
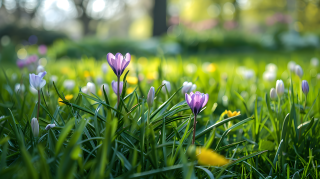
92	138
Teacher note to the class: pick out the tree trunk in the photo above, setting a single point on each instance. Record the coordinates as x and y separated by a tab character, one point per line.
159	17
85	24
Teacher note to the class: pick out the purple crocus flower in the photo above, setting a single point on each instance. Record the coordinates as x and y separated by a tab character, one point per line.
305	87
118	63
196	101
42	49
37	81
21	63
114	85
32	59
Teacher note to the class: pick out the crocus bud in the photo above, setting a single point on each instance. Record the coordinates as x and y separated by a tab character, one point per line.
99	80
191	152
104	68
314	62
37	81
167	84
35	127
84	89
19	88
269	76
49	126
298	71
69	84
248	74
40	69
271	67
106	88
305	87
150	97
280	88
114	85
273	94
188	87
91	87
292	66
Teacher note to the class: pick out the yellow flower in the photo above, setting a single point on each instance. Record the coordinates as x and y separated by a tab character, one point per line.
211	68
86	74
67	97
132	80
143	60
232	114
152	76
130	90
65	70
100	92
210	157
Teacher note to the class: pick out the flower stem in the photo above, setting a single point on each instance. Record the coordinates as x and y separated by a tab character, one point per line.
279	105
148	119
38	105
194	129
301	120
118	91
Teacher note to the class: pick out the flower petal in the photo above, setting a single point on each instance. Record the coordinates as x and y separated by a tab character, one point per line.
111	61
42	83
114	87
118	61
42	74
206	98
126	61
188	99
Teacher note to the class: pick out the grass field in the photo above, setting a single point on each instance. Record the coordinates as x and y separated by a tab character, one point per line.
93	137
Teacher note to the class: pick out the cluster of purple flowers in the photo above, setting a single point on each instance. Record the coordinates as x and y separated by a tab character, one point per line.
31	61
118	63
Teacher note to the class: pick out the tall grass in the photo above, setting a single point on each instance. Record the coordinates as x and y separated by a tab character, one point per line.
93	138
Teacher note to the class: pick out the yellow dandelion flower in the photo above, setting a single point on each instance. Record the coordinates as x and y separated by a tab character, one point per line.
232	114
100	92
152	76
132	80
211	68
65	70
210	157
67	97
130	90
86	74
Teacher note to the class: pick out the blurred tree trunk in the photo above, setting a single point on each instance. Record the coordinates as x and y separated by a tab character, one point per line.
236	14
81	6
159	17
85	19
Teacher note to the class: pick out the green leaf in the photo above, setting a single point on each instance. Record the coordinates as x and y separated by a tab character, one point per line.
245	158
210	175
232	127
207	130
230	145
244	103
64	133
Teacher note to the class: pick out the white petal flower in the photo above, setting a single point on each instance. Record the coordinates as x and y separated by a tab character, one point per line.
168	85
49	126
37	81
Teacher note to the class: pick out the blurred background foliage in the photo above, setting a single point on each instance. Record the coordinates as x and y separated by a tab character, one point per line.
93	27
